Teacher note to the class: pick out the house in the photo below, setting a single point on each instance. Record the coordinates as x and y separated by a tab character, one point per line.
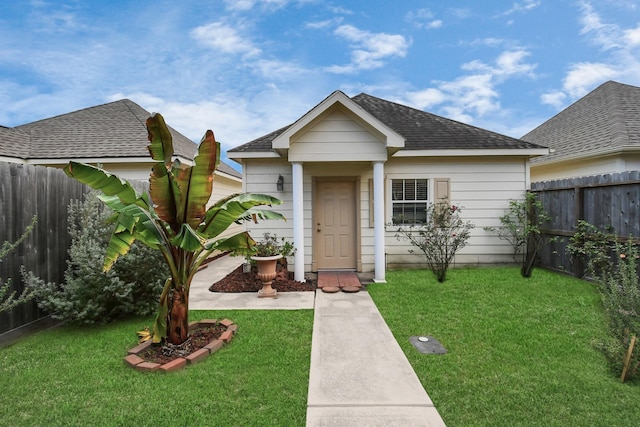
111	135
598	134
348	169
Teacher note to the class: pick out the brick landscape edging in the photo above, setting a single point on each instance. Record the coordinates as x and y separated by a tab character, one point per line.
132	359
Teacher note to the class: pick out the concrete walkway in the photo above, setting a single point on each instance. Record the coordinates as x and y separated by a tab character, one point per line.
359	375
200	298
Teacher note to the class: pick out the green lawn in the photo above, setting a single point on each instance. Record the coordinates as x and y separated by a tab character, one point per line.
520	351
76	377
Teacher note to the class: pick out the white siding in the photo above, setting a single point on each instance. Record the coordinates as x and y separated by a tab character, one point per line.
482	186
587	167
337	138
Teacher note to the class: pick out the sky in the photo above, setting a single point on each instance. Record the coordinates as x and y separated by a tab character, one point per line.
244	68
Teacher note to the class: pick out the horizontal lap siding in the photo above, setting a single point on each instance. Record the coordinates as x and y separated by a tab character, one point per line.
482	188
261	177
337	137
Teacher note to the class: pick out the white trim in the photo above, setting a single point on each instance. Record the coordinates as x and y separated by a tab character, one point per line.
392	139
228	176
297	178
378	225
253	155
473	152
588	155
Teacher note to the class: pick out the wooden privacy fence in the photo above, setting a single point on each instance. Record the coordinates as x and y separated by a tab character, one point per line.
602	200
25	191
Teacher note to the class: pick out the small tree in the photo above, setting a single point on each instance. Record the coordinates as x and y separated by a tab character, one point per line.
522	228
177	222
442	235
10	300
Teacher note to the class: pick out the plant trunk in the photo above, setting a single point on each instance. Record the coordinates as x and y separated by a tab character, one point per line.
178	324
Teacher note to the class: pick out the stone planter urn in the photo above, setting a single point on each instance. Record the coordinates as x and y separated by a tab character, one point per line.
266	274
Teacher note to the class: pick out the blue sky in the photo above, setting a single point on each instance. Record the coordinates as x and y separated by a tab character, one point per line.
247	67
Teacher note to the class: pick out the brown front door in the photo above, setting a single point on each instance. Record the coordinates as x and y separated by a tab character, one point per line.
335	225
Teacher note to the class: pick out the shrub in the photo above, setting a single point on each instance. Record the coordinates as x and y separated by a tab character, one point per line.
9	300
522	228
621	301
90	295
439	238
614	268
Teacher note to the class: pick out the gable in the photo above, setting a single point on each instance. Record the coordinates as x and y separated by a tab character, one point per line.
337	136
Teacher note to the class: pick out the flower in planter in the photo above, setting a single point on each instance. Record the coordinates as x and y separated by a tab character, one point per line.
270	245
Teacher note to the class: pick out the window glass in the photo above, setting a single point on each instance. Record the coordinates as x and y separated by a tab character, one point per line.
409	201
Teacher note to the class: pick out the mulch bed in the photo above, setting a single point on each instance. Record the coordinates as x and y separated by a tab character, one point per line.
237	281
198	338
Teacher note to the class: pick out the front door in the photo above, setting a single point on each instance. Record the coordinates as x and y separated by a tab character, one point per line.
335	225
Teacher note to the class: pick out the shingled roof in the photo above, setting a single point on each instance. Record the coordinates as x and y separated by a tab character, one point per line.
112	130
421	130
605	119
115	130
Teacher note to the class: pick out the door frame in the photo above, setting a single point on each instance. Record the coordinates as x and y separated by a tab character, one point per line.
357	223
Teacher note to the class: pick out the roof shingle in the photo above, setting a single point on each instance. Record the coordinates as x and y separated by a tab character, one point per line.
606	118
421	130
114	130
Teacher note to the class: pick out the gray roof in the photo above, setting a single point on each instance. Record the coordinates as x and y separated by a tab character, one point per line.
421	130
112	130
109	131
14	143
606	118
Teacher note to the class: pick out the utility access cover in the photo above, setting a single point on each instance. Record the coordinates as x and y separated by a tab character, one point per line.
427	344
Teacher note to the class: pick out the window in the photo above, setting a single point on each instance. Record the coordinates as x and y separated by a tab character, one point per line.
409	198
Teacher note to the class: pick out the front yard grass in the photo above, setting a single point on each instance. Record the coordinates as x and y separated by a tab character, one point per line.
520	351
73	376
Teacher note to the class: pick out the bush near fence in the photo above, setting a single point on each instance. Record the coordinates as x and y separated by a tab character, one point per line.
25	191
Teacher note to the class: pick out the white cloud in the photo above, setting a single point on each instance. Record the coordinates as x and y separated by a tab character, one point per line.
246	5
632	36
525	6
607	36
555	99
470	97
319	25
423	18
224	38
426	99
369	49
619	59
275	69
583	76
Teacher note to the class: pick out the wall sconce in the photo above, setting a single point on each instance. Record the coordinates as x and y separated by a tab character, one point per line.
280	183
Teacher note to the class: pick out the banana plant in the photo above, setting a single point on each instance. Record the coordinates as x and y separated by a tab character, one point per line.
173	218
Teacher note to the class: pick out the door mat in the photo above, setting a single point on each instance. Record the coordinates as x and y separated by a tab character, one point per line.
427	344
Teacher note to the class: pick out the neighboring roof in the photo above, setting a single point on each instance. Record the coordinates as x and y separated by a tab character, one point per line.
225	168
116	130
112	130
421	130
13	143
605	120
